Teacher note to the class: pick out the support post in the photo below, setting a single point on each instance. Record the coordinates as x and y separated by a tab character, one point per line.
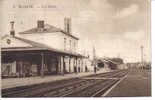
81	64
64	66
59	64
21	69
69	64
76	65
42	65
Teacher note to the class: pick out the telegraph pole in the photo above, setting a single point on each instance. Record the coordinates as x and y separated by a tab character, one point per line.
142	56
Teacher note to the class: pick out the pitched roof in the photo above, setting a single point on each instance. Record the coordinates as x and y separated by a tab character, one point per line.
47	29
36	46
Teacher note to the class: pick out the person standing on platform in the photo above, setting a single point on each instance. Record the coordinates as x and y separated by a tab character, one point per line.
95	69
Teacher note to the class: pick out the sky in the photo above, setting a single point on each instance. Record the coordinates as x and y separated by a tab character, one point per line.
116	28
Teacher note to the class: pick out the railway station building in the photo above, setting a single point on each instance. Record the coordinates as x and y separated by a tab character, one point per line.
43	50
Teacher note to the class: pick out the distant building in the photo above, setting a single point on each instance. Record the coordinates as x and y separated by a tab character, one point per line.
43	50
111	63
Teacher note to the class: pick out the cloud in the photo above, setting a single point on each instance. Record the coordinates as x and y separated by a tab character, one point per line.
127	11
85	16
137	35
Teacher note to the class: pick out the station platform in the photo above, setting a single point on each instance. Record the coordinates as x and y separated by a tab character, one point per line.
136	84
17	82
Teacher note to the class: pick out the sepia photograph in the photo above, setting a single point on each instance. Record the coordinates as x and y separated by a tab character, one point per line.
75	48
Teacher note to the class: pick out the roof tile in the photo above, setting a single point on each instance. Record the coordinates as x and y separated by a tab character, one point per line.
48	29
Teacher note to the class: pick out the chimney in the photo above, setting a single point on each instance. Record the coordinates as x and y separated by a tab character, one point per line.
12	31
67	25
40	24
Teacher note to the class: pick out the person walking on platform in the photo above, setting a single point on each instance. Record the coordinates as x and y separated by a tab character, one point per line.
95	69
86	69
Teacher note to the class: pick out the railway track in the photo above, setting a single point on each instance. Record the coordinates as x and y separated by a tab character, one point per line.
78	87
31	91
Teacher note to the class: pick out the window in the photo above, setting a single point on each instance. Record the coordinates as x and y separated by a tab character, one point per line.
8	41
64	43
74	46
70	43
